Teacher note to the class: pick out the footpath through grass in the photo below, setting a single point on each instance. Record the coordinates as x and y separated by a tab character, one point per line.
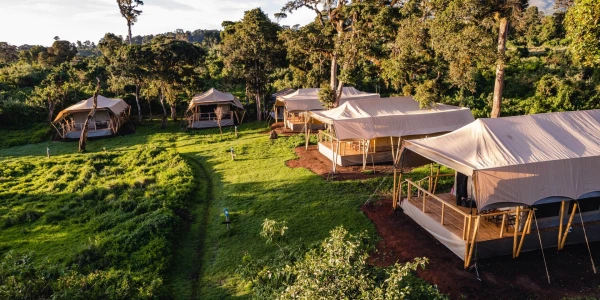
206	256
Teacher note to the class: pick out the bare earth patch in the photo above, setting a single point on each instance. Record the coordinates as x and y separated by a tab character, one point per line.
313	160
501	278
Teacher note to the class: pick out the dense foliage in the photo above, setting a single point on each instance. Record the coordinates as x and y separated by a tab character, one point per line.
437	51
93	225
337	268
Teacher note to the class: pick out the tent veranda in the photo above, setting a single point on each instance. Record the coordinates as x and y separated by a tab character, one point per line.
110	115
513	166
203	109
370	130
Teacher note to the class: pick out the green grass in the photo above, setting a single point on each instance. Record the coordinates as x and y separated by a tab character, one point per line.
10	137
206	256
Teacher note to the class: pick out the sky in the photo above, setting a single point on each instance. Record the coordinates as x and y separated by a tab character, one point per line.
37	22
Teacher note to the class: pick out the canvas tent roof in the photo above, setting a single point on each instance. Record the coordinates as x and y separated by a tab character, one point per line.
397	116
214	96
521	159
308	99
116	106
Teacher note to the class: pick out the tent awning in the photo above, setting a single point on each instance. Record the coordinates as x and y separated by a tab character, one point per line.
214	96
116	106
522	159
397	116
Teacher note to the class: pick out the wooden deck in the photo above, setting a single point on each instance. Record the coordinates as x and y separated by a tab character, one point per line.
455	222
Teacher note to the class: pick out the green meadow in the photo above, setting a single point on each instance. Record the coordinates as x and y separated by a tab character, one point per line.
142	214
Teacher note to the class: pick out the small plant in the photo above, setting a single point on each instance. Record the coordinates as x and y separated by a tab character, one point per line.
271	228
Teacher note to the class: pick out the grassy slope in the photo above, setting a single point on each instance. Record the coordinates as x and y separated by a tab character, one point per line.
257	185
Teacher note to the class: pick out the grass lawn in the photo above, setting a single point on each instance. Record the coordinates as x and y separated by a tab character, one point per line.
206	256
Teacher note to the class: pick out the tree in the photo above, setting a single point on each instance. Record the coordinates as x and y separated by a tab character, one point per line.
132	62
503	11
251	50
218	117
129	11
8	53
174	62
583	30
84	130
54	89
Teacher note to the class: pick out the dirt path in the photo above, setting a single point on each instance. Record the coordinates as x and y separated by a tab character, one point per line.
501	277
187	256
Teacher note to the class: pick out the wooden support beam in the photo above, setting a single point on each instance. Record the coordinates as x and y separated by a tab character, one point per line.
502	226
429	183
525	231
394	200
442	218
469	228
516	235
436	180
560	223
424	198
564	238
464	228
472	243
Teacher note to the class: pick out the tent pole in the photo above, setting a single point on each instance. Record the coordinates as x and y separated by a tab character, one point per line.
429	184
516	234
473	241
393	154
560	222
437	176
394	189
306	130
586	240
541	246
564	238
525	231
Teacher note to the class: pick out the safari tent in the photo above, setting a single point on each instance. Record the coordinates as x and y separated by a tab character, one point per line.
206	108
296	105
371	130
110	115
521	183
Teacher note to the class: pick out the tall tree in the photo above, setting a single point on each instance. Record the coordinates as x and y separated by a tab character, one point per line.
129	10
252	50
503	11
132	62
583	30
174	62
54	88
84	130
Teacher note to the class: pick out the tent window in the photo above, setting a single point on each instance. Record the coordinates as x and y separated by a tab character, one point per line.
589	204
547	210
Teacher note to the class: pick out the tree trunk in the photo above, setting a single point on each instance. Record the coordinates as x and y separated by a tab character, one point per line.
258	107
51	106
499	85
338	93
333	75
129	28
173	112
163	125
84	130
137	101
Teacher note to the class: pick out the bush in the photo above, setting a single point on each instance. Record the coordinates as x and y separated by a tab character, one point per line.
336	269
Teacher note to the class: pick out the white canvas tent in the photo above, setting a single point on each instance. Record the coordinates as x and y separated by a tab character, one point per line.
201	112
110	115
522	160
297	104
534	173
378	125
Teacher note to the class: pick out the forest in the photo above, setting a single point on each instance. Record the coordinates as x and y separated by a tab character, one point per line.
145	214
508	56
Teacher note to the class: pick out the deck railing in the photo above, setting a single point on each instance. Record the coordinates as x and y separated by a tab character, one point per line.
470	222
357	147
209	116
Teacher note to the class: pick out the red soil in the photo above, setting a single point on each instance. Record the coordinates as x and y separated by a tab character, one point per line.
501	278
313	160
